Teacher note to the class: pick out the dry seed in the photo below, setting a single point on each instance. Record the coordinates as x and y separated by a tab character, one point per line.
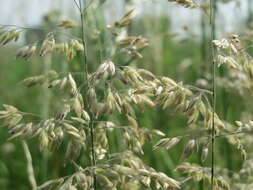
161	143
204	154
67	24
85	115
188	149
172	142
72	82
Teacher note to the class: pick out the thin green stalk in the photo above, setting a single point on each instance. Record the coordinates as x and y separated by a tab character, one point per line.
93	147
204	41
213	55
100	43
83	42
91	125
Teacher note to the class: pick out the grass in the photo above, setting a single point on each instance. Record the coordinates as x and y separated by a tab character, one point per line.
165	56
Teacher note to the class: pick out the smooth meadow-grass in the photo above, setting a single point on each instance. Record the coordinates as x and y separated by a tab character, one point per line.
96	105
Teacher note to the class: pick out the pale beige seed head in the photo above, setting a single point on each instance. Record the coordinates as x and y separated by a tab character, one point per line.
111	68
204	154
188	149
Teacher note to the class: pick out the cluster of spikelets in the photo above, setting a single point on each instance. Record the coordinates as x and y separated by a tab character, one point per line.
110	175
244	178
189	148
128	88
73	122
68	49
9	36
243	138
233	55
198	173
140	87
132	45
230	46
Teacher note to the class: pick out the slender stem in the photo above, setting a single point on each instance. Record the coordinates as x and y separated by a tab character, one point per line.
93	152
77	5
84	43
204	42
91	125
203	135
31	114
129	61
199	89
234	133
97	25
213	54
204	66
30	170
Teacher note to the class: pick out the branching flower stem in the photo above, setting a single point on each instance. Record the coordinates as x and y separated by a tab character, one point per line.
93	159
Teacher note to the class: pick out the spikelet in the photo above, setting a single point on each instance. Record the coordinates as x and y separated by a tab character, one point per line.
204	154
26	52
132	44
124	21
186	3
40	79
8	36
47	45
67	24
104	72
188	149
36	80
